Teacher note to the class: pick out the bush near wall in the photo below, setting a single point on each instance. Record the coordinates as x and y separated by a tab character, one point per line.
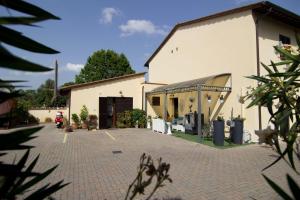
128	119
92	122
48	120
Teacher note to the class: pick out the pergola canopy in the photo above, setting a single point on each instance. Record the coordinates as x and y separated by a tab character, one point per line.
209	83
193	85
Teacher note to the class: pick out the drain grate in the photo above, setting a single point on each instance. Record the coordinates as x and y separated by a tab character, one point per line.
117	152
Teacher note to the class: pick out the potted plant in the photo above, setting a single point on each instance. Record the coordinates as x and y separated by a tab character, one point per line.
149	122
92	122
76	121
84	113
218	135
236	132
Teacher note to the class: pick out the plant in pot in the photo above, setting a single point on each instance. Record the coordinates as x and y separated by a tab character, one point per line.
218	134
84	113
76	121
236	132
92	122
149	122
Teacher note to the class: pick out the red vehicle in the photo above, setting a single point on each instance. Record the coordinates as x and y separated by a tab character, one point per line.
59	119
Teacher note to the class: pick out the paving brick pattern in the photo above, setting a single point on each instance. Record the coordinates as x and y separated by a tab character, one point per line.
198	171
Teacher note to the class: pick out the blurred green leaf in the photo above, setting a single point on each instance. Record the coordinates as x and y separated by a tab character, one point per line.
10	61
285	74
287	54
298	40
267	68
25	7
293	67
20	20
16	39
259	78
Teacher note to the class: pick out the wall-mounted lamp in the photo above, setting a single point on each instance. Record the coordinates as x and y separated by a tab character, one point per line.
208	98
121	93
221	99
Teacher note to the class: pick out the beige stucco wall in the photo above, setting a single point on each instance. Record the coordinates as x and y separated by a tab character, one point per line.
221	45
89	95
269	31
151	110
42	114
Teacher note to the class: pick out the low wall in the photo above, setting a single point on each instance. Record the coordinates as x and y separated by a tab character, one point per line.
43	113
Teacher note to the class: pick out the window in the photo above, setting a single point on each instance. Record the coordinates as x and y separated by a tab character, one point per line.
284	39
155	101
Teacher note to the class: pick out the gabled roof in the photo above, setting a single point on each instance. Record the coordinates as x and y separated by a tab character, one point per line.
263	7
66	88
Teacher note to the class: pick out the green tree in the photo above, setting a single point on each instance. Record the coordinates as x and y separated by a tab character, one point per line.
68	84
44	96
27	99
45	93
104	64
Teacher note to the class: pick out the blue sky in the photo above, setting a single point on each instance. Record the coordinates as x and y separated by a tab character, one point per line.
132	27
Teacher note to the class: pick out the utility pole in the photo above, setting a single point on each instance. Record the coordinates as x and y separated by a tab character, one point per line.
55	81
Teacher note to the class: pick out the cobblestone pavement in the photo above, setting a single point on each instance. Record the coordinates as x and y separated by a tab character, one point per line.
199	172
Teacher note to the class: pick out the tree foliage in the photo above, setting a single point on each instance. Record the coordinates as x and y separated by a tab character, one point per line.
42	97
104	64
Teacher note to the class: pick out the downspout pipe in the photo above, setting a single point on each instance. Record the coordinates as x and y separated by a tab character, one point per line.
257	20
143	101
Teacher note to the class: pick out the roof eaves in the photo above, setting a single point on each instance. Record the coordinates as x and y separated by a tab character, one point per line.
101	81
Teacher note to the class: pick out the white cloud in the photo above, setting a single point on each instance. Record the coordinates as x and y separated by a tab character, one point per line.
108	14
74	67
141	26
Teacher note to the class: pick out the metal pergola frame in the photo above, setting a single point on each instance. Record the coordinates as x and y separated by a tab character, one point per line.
199	88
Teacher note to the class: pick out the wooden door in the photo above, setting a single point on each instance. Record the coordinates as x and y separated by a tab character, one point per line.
103	112
175	104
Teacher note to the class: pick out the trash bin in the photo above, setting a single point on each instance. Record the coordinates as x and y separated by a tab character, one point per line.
236	132
218	136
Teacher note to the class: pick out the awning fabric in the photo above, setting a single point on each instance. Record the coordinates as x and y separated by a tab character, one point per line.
192	85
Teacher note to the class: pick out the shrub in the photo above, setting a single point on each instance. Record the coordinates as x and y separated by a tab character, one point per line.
92	122
48	120
84	113
128	119
124	119
33	120
75	119
139	116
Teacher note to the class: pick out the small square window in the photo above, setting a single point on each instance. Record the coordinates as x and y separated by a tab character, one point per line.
156	101
284	39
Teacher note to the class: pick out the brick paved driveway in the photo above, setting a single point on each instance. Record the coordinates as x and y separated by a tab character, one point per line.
198	171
